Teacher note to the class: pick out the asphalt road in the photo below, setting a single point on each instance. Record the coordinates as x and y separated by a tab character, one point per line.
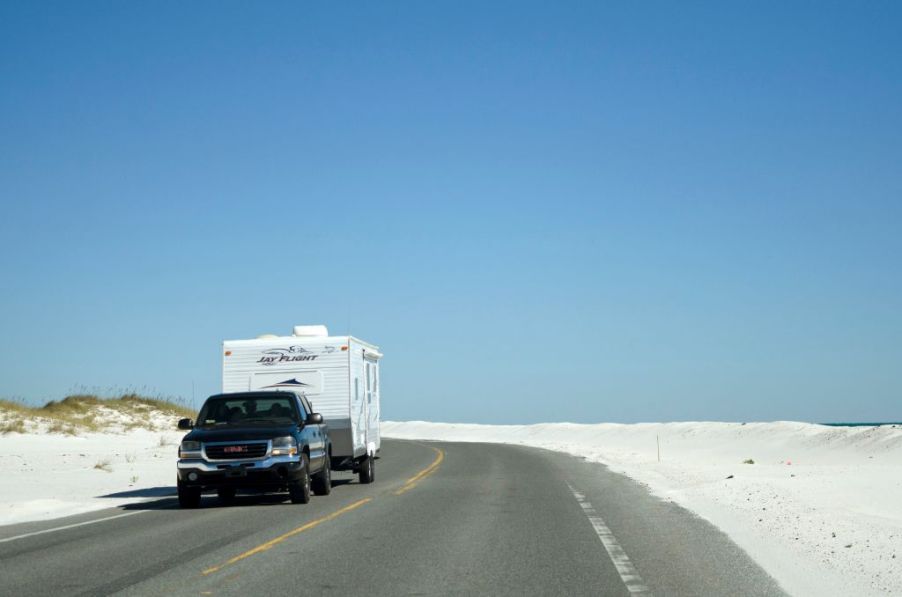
441	518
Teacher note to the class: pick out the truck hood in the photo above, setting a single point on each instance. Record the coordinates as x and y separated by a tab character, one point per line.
237	433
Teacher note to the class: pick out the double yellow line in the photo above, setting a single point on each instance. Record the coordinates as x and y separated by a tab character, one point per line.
408	485
411	482
273	542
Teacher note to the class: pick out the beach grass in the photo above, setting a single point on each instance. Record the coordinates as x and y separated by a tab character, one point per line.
80	413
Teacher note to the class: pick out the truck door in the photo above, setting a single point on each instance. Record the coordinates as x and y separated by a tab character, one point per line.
317	437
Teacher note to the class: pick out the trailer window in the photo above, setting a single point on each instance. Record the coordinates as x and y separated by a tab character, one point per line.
372	381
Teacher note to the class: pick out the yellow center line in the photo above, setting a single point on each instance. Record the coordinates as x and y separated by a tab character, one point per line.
408	485
412	482
273	542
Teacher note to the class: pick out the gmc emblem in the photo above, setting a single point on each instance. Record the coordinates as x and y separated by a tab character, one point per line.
234	449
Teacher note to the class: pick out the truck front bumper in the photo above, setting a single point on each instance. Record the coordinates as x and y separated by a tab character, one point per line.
270	472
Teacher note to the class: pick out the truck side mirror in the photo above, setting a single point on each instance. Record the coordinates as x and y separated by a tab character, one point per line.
314	419
186	424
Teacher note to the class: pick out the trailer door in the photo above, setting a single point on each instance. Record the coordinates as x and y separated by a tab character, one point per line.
372	404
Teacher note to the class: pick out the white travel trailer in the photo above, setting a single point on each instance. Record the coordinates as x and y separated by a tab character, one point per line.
339	375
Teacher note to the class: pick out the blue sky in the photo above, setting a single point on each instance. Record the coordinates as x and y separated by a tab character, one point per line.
578	211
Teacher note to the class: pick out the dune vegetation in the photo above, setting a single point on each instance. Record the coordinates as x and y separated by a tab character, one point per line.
86	413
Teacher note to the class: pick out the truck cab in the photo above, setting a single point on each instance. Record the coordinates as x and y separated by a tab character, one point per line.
265	441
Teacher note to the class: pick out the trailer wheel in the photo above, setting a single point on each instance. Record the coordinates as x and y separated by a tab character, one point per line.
189	497
367	473
322	481
299	491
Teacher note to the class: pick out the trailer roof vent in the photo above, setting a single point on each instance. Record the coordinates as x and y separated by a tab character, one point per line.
311	330
266	336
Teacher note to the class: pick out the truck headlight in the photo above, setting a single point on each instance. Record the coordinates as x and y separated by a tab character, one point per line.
284	446
189	449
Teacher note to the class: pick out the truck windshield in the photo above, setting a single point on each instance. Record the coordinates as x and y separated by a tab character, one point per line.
248	410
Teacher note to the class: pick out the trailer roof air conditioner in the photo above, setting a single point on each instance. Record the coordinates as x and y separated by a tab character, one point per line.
310	330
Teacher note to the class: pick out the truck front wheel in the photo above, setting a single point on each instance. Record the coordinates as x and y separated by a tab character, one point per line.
299	490
189	497
322	481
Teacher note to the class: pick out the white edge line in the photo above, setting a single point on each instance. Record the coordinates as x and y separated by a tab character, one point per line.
628	574
71	526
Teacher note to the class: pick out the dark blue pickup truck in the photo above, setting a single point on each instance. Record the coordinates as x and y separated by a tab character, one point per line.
266	441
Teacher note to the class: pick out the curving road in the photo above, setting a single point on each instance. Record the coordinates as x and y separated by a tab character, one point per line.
441	518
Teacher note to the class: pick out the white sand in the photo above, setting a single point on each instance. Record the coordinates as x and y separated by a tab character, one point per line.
845	482
48	475
820	510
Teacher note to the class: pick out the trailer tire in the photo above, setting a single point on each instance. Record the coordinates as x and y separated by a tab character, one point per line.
322	481
299	491
367	472
189	497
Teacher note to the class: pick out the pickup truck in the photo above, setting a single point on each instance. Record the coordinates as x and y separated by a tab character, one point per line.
266	441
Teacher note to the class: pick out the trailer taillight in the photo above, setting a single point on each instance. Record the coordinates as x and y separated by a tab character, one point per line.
344	347
228	353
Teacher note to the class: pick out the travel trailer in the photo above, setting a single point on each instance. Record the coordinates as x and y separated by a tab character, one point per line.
339	375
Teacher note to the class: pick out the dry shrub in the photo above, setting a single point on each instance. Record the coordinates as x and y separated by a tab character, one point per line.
13	425
82	412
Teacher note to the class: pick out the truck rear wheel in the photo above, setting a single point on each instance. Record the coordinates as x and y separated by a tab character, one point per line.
299	490
367	472
322	481
189	497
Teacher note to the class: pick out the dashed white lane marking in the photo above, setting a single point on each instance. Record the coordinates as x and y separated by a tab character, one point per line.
72	526
634	583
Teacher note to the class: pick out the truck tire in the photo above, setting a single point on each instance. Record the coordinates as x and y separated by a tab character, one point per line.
189	497
322	481
226	495
367	472
299	490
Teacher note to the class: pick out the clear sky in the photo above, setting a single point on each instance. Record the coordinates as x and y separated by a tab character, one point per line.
593	211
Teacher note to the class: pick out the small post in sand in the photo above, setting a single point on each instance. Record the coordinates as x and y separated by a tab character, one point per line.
658	439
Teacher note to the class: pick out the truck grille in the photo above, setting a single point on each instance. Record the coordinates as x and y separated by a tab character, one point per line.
235	451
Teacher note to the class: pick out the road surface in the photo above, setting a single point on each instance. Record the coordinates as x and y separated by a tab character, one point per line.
441	519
